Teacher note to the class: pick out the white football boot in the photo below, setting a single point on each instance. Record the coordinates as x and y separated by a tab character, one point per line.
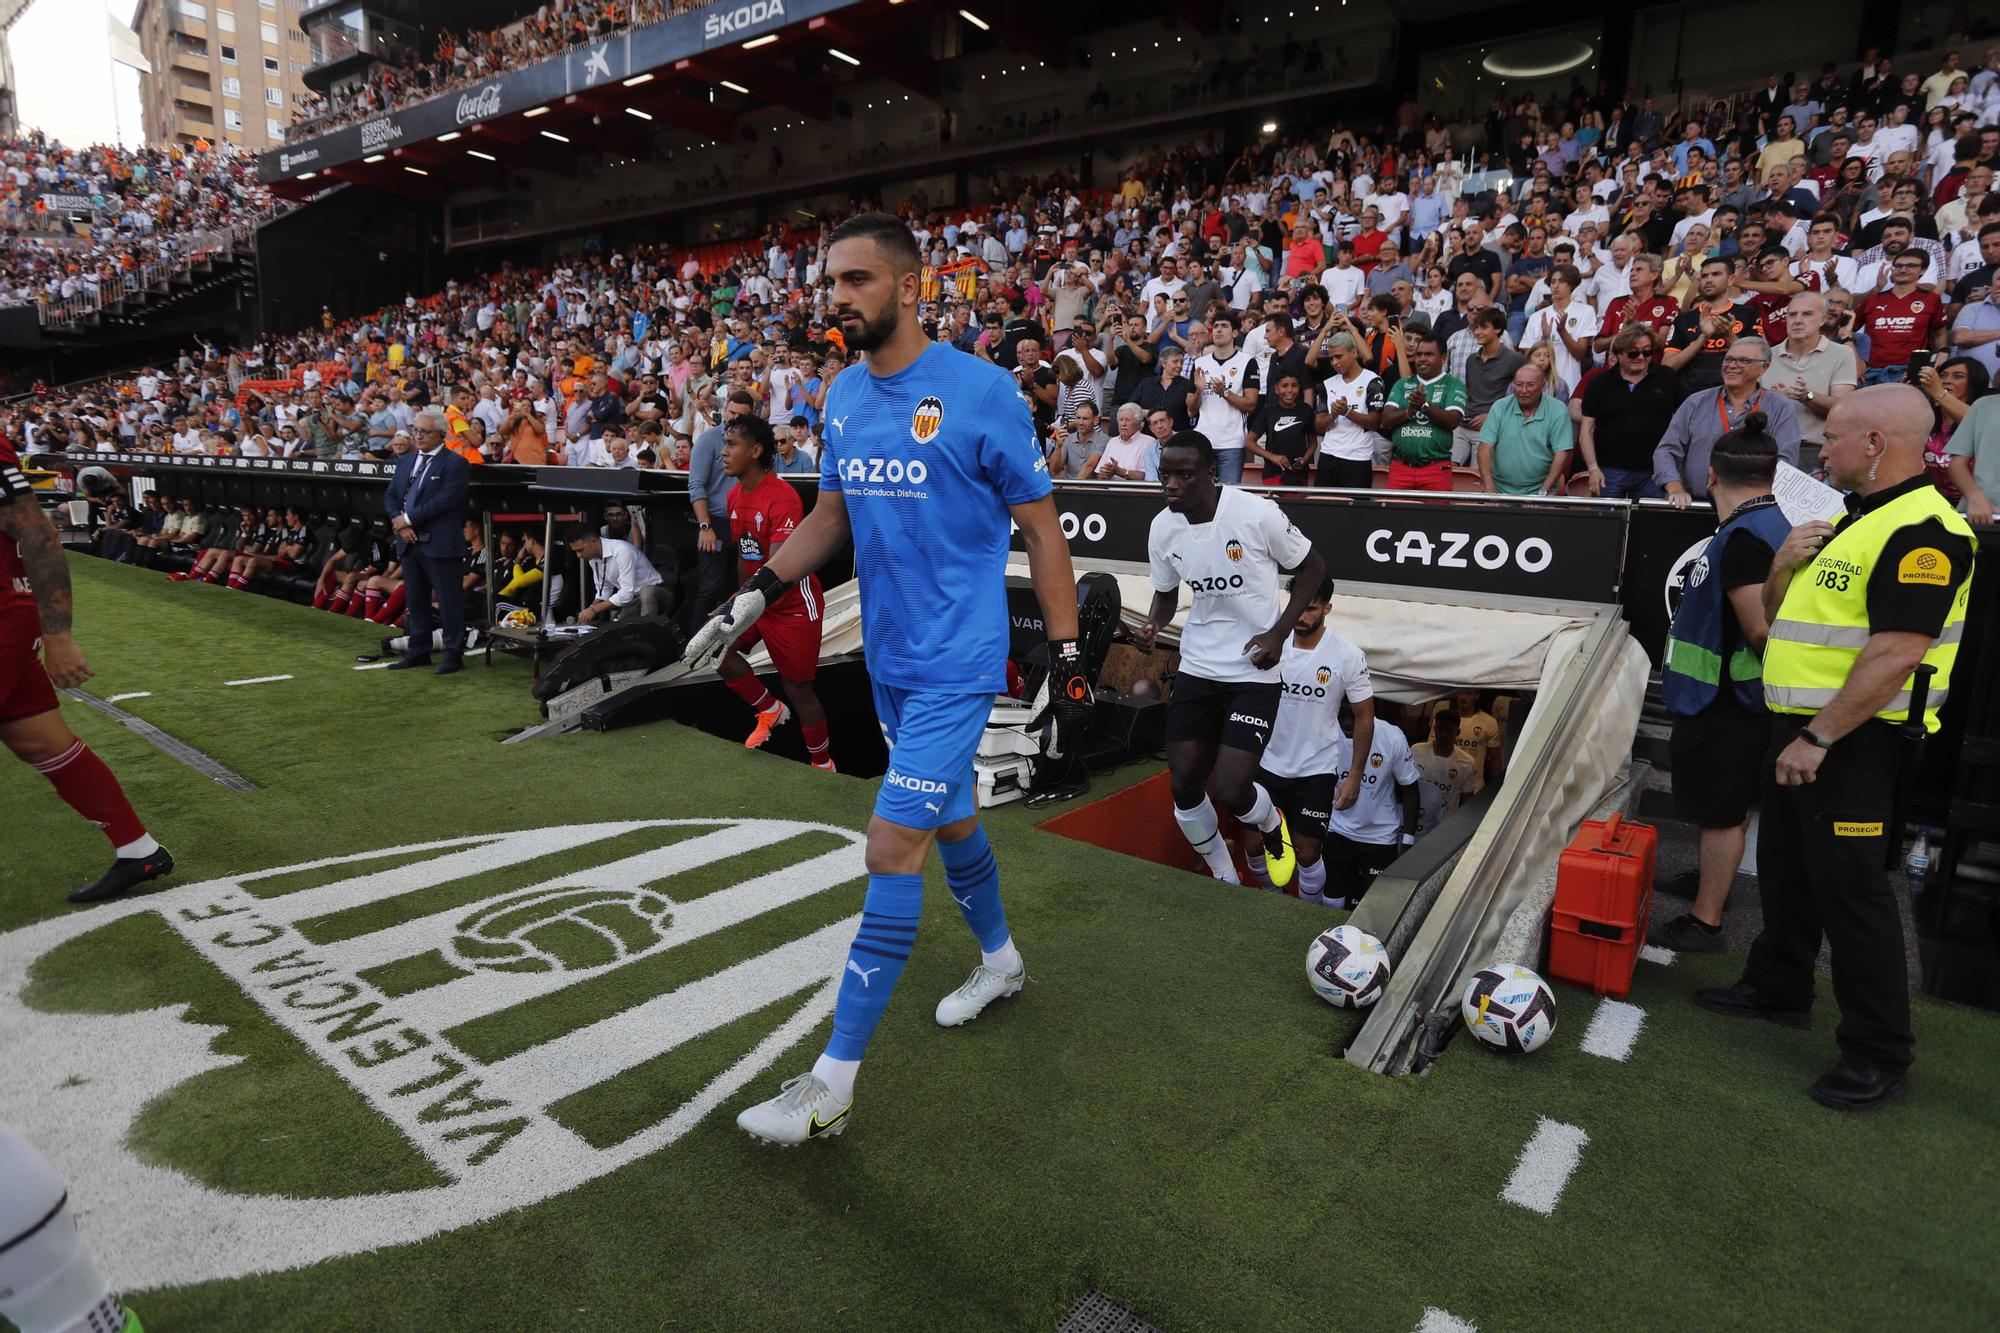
804	1109
982	988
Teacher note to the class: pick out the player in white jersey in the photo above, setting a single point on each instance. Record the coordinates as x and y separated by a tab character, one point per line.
1447	772
1228	546
1364	838
1318	672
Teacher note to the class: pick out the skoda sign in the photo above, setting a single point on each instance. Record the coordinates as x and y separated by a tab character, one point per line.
738	21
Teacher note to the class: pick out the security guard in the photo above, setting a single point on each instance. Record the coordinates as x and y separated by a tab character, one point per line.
1855	608
1712	679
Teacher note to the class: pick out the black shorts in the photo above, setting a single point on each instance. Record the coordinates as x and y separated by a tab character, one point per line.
1352	866
1306	801
1238	713
1718	765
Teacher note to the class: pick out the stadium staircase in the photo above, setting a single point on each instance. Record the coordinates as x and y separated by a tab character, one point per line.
152	290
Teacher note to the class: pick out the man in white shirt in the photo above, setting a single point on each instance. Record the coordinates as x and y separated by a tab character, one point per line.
1351	444
1345	284
1444	770
1318	673
1366	837
1566	323
624	582
1166	281
1225	387
1228	546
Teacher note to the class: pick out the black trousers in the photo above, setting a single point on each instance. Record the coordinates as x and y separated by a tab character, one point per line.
1821	850
713	571
426	574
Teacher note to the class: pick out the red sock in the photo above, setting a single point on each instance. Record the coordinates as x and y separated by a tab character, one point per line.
391	608
239	581
356	604
339	603
371	602
321	596
205	575
816	739
751	691
81	778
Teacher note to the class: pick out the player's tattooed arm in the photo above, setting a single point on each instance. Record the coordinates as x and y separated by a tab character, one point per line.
42	559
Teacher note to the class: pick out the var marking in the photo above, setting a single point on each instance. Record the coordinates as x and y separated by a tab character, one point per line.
77	1082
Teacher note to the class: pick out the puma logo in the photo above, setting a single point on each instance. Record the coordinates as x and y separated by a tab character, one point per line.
964	904
863	972
840	424
933	807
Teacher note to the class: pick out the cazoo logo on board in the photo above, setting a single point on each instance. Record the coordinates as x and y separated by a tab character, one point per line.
310	958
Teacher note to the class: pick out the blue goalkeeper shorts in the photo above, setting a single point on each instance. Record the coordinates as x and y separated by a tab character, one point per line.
933	739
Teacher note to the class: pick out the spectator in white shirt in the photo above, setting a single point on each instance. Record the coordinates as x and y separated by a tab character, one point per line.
623	582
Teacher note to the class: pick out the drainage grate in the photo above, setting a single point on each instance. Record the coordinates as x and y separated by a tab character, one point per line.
1098	1313
212	769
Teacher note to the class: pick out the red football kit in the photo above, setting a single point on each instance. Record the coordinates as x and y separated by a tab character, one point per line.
761	520
24	687
1900	325
1656	313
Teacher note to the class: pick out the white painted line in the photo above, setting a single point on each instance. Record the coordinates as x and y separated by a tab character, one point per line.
257	680
136	694
1443	1321
1653	953
375	666
1613	1029
1545	1166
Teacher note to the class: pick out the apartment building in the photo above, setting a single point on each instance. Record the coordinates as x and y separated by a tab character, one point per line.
223	70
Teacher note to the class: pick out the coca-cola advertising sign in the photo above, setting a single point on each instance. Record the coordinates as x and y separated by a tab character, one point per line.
480	105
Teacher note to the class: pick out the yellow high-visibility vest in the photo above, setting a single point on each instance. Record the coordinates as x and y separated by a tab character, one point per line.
1822	625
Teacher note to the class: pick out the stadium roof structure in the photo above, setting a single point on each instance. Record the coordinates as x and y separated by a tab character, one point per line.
698	71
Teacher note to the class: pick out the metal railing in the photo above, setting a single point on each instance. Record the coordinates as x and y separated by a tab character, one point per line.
201	247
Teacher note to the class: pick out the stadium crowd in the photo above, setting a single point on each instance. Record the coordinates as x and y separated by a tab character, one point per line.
1585	304
461	59
75	221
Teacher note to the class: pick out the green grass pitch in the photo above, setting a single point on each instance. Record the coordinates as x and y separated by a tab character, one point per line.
1161	1114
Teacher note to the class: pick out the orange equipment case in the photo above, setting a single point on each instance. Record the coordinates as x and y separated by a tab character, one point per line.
1604	901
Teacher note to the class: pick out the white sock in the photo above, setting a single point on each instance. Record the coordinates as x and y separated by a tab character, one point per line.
1312	882
1260	869
143	845
1262	814
1006	960
1199	827
838	1075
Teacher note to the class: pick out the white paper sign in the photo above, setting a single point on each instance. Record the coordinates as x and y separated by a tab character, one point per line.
1802	497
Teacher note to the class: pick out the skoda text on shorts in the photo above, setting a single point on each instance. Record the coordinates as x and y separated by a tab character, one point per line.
936	457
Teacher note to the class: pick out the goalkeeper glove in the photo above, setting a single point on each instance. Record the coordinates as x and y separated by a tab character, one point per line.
1069	693
732	619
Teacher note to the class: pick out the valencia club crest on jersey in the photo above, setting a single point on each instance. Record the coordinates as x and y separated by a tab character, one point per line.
1234	549
927	420
1323	675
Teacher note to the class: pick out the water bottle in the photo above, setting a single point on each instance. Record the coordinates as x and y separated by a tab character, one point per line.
1917	863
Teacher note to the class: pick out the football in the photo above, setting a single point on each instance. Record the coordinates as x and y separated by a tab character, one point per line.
568	930
1509	1007
1347	967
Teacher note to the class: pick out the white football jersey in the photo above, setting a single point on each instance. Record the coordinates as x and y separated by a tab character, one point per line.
1232	563
1314	680
1447	781
1376	817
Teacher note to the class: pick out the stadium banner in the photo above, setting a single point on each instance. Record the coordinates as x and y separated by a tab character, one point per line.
580	70
1566	551
70	203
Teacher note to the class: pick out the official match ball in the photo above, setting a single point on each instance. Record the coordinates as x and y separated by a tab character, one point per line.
563	930
1347	967
1510	1007
519	618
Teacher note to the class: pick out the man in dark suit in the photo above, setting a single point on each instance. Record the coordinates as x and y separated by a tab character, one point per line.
426	505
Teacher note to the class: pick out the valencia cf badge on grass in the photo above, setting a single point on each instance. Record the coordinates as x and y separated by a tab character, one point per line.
927	420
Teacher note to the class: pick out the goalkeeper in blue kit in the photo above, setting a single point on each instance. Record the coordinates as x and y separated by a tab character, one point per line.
930	457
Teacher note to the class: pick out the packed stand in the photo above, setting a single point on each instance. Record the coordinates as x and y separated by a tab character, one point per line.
1581	301
83	221
460	60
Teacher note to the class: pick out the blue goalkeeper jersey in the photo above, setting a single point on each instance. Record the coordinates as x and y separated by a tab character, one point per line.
928	461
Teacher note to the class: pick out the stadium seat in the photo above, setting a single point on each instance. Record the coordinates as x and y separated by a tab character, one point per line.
1468	479
1579	485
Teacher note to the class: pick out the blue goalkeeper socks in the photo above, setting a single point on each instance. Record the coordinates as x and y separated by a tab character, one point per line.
875	960
973	877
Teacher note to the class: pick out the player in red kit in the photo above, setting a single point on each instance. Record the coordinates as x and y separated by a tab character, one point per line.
35	612
764	510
